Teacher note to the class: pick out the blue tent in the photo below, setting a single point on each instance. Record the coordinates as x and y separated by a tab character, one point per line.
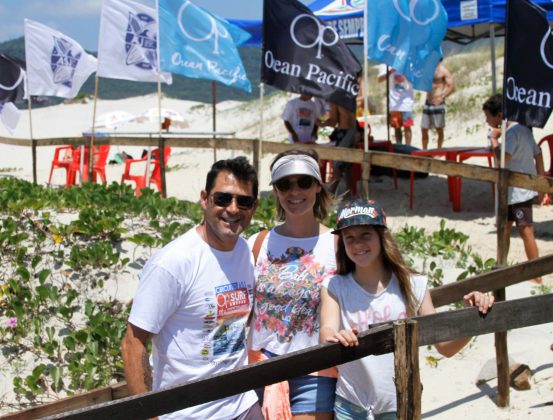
468	20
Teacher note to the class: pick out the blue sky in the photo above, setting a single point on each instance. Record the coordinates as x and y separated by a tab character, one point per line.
80	19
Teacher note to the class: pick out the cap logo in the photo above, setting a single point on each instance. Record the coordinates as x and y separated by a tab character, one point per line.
358	211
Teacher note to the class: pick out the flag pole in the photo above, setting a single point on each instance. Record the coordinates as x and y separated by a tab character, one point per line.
33	142
261	109
365	79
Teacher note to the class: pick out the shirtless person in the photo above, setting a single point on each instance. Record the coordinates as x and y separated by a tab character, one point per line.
433	113
345	135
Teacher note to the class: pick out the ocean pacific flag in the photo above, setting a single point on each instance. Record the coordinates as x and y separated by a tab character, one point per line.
9	115
56	64
528	81
197	44
12	79
407	35
305	55
128	47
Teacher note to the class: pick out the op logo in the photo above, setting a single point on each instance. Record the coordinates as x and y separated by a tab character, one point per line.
215	31
411	15
543	50
321	39
64	61
141	41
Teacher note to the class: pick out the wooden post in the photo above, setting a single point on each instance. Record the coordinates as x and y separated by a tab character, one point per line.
365	175
501	352
161	156
406	364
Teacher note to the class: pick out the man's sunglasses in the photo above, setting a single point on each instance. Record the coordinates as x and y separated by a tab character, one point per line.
303	182
223	199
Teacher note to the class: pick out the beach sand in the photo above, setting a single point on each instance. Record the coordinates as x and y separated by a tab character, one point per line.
450	390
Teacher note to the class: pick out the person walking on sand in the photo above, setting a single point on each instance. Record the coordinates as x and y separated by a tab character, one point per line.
373	285
178	301
292	260
301	118
522	154
433	113
345	134
401	102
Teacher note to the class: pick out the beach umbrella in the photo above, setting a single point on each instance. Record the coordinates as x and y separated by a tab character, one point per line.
113	119
152	115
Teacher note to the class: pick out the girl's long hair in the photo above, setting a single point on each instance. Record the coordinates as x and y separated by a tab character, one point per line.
393	261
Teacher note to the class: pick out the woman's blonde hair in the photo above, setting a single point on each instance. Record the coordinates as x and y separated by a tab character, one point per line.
393	261
323	200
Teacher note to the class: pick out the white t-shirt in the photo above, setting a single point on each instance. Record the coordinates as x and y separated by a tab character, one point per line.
522	148
302	116
401	91
369	382
289	273
196	301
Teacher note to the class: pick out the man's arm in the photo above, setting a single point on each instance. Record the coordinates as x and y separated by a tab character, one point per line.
332	119
292	132
134	350
449	85
540	171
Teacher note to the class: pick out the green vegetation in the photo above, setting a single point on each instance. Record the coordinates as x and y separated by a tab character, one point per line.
63	252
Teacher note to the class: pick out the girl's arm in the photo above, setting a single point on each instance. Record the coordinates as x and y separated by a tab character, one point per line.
481	301
330	322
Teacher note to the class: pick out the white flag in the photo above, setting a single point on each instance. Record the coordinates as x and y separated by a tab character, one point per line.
56	64
128	48
9	115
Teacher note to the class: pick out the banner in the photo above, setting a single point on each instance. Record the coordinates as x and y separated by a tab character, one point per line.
12	79
9	115
406	35
303	54
528	80
197	44
127	46
56	64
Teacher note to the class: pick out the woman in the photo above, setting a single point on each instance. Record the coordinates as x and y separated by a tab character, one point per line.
292	261
374	285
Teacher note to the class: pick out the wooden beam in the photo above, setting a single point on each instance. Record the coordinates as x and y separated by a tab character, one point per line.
406	367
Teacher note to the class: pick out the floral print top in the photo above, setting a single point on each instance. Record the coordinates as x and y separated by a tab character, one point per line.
289	276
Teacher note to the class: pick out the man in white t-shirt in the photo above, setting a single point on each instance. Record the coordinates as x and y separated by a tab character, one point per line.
400	94
301	116
194	299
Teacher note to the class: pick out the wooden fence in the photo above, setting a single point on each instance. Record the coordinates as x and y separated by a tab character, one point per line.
113	402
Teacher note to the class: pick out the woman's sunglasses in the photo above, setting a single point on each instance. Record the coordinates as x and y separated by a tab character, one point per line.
223	199
303	183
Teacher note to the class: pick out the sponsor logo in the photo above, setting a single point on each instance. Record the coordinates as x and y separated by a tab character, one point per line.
542	49
326	36
358	211
411	15
141	41
63	62
215	30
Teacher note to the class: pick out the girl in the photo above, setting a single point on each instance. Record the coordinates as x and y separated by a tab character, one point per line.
374	285
292	261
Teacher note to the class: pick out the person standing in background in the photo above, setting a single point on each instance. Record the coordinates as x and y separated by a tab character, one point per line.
401	102
433	113
301	118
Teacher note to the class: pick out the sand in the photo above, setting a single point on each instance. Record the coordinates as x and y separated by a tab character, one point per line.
450	390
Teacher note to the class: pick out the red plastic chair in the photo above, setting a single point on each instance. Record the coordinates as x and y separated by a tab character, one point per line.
549	140
155	175
99	157
61	161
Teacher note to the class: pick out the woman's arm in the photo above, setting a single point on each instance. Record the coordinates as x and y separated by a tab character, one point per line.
481	301
330	322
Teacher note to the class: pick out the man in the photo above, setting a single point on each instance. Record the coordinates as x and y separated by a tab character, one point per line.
345	134
433	113
194	299
521	155
301	116
400	93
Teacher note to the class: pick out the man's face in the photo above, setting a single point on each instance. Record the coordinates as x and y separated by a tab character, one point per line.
493	121
224	223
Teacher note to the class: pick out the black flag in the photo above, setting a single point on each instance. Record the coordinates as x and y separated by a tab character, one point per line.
528	80
305	55
12	79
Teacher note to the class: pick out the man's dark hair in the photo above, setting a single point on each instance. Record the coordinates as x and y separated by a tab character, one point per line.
239	167
493	105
